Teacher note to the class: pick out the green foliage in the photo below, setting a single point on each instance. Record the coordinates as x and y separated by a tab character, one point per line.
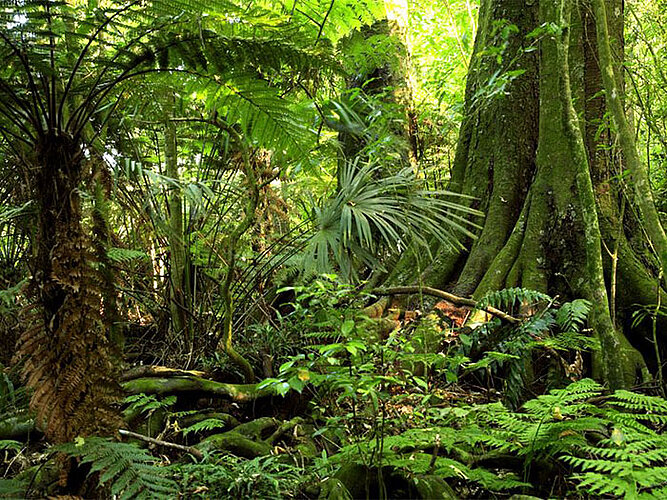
9	444
129	471
147	403
13	397
124	255
508	298
11	488
572	315
204	425
616	442
412	451
223	476
509	349
608	444
373	214
8	296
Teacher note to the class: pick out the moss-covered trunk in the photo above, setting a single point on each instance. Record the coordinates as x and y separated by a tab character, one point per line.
179	303
534	157
495	157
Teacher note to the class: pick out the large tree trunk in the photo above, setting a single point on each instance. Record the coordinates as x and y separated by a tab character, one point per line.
386	84
65	347
553	213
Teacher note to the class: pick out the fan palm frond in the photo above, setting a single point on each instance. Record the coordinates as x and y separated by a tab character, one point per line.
374	215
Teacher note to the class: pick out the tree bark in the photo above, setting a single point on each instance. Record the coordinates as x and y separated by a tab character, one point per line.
64	345
553	217
495	157
179	303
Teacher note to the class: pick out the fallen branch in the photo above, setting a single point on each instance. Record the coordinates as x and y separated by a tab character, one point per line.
166	444
159	371
434	292
156	385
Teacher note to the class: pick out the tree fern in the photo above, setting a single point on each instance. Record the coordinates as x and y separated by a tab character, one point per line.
129	472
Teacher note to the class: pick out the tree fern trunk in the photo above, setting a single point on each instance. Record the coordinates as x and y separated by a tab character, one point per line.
65	347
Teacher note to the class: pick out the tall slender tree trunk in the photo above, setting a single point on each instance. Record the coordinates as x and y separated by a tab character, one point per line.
180	300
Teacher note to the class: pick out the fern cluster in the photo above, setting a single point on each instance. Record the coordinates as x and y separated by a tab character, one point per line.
221	476
130	472
558	329
614	443
413	452
607	444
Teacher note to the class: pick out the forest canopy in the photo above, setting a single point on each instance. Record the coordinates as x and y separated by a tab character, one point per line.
333	249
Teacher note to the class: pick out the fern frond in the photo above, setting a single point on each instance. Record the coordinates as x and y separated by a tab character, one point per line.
510	297
130	472
125	255
205	425
570	341
148	403
12	488
571	316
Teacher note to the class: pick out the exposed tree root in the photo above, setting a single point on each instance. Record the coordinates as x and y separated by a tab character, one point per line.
252	439
158	371
158	385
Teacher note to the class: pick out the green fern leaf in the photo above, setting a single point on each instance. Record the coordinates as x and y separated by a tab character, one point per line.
131	472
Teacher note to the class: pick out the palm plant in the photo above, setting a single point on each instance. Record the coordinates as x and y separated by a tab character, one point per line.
372	217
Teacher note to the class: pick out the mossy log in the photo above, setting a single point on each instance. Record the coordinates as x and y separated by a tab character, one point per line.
241	393
17	428
236	444
355	480
430	486
251	439
333	489
244	440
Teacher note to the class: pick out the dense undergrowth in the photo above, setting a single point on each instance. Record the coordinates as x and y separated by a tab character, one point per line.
177	179
383	408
